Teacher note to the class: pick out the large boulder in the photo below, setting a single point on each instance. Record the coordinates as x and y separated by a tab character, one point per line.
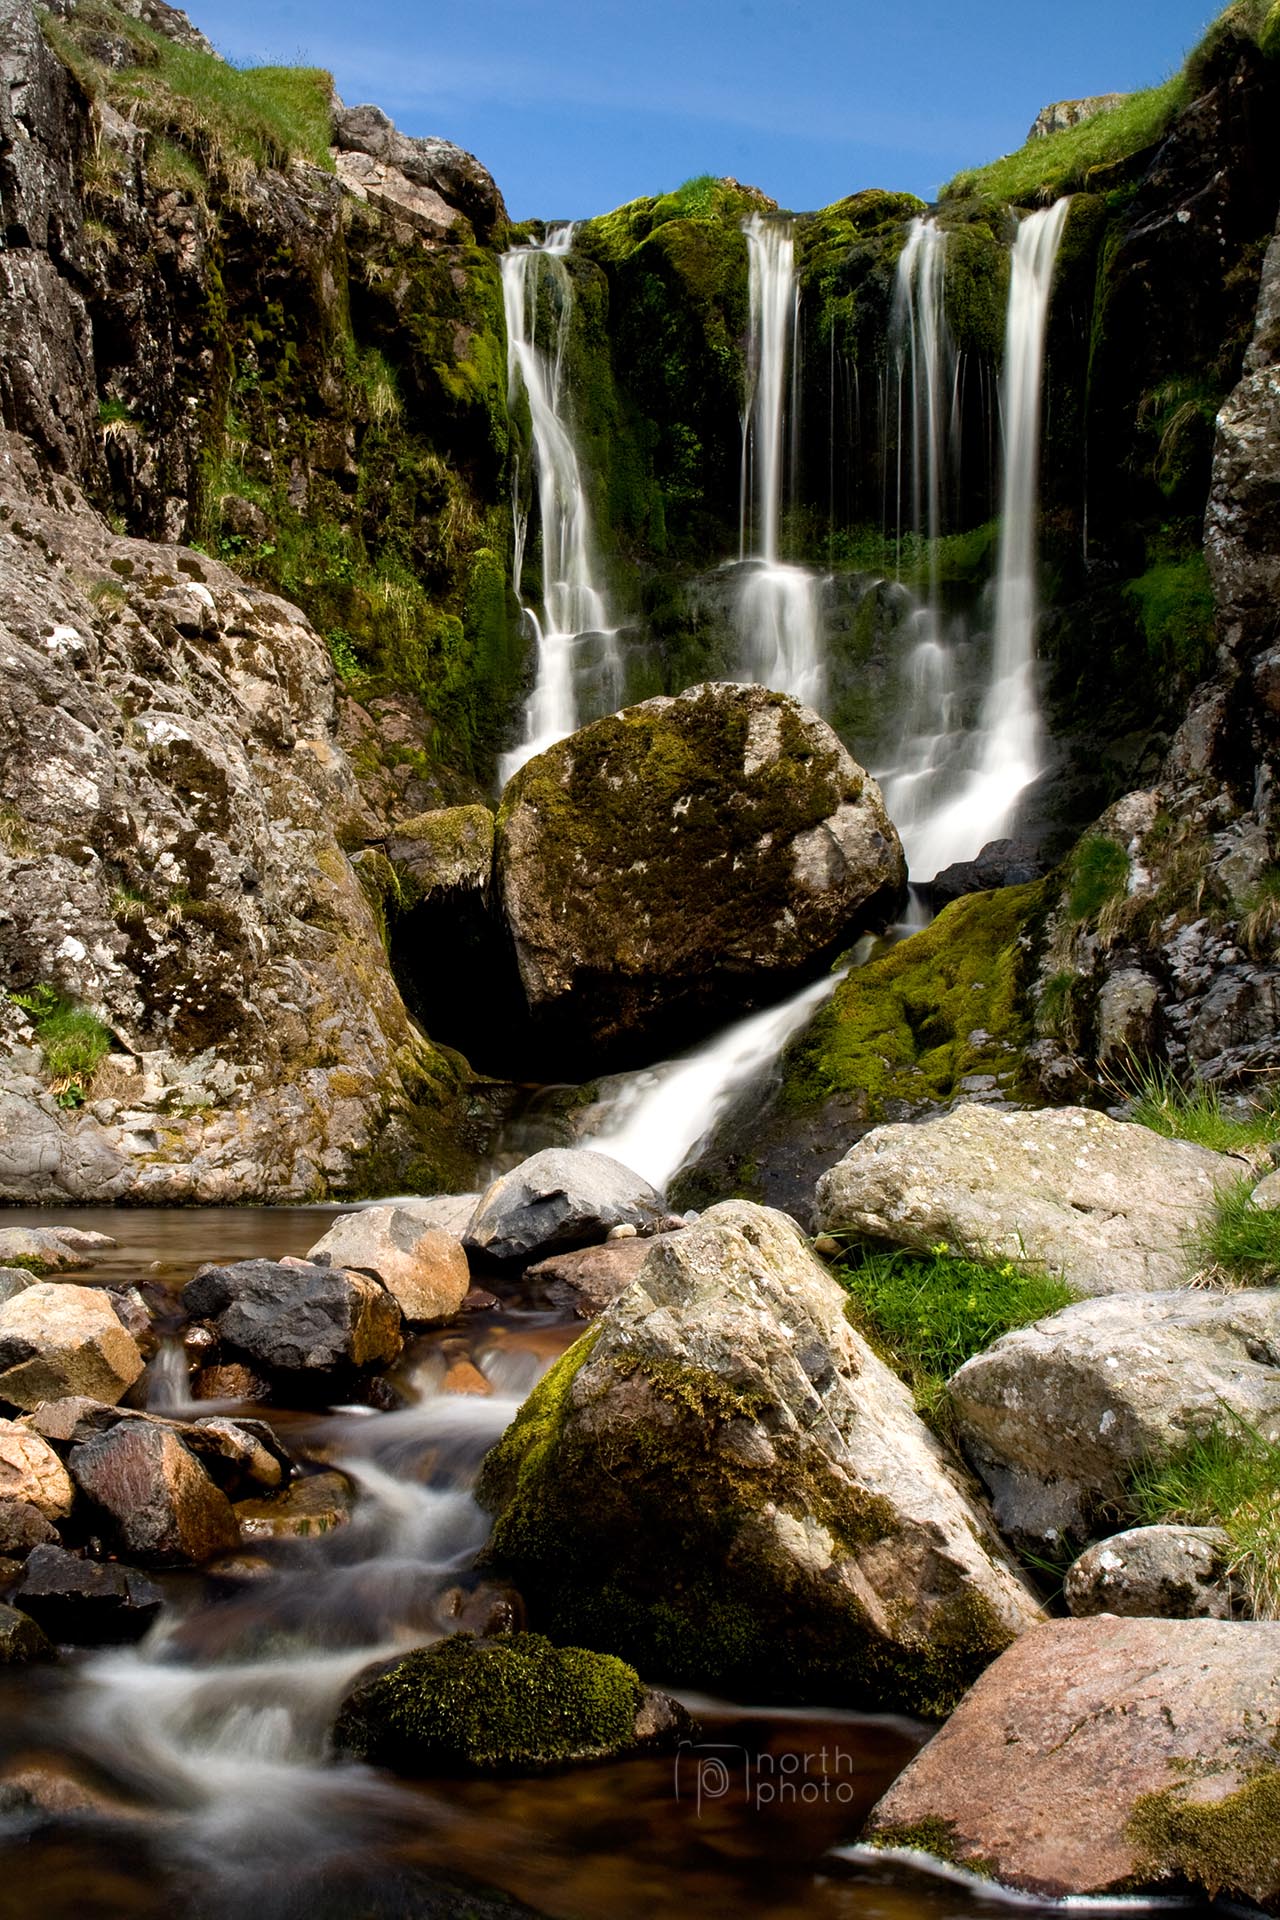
1057	1416
1166	1573
510	1705
562	1197
58	1339
160	1504
722	1483
423	1268
684	857
1107	1756
296	1320
1109	1205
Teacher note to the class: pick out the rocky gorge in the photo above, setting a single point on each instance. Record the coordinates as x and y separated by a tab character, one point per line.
638	1065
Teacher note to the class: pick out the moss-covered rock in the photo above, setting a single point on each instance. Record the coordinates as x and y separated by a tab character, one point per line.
721	1483
684	856
512	1705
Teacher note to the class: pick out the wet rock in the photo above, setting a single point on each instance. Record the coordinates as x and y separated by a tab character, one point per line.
1169	1573
51	1249
684	858
30	1470
589	1279
486	1611
21	1640
300	1321
445	852
1001	863
58	1339
238	1451
22	1527
562	1197
512	1705
229	1381
85	1603
462	1376
722	1483
1057	1416
162	1506
318	1504
1130	1755
1109	1205
423	1268
480	1300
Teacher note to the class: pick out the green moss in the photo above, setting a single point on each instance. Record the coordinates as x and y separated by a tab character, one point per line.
1098	872
1228	1844
948	1002
1174	604
514	1705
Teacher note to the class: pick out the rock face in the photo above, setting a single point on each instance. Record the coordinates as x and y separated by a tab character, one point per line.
511	1705
57	1339
167	742
447	851
426	180
721	1483
310	1324
686	856
424	1269
1057	1416
1001	863
1061	114
1110	1206
1167	1573
562	1197
161	1504
1128	1753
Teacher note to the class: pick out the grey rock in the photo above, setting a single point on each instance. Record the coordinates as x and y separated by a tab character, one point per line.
297	1319
1128	1016
14	1280
562	1197
1165	1572
83	1602
1267	1192
1057	1416
1061	114
450	1212
721	1430
21	1640
422	1267
1001	863
1111	1206
446	171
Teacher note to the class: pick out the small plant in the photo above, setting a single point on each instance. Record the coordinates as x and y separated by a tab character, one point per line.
1261	918
1199	1113
1228	1478
14	837
1099	872
73	1041
929	1313
1242	1242
115	422
1058	1010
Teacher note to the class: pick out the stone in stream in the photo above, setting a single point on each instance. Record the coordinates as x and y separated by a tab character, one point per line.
590	1278
85	1602
23	1525
52	1249
722	1483
1109	1205
1108	1756
310	1324
424	1268
1165	1572
317	1504
31	1471
159	1503
58	1339
516	1704
563	1197
1057	1416
21	1640
685	858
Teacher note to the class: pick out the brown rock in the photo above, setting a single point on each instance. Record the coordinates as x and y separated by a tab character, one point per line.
30	1470
590	1278
24	1527
315	1505
238	1450
230	1382
1076	1761
423	1267
163	1505
58	1339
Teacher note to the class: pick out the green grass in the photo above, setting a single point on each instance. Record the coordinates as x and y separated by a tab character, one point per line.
1199	1113
1228	1478
1242	1242
954	559
928	1314
1047	168
1173	600
1099	871
73	1041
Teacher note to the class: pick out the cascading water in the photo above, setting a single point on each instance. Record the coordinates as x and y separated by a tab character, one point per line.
579	667
777	612
962	788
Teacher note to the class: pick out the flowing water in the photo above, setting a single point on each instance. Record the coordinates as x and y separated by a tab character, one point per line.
955	787
778	611
578	662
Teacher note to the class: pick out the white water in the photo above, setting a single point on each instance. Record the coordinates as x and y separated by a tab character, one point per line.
952	791
579	666
777	612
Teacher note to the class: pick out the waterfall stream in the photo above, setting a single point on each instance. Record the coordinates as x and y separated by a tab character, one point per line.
578	663
777	611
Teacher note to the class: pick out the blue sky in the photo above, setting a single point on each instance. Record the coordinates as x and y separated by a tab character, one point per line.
578	105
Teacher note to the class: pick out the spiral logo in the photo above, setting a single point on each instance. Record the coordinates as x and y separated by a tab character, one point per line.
707	1774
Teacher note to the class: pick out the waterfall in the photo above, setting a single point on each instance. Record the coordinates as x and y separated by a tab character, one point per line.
961	791
575	680
777	609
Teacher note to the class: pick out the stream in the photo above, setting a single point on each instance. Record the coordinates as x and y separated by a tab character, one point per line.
191	1774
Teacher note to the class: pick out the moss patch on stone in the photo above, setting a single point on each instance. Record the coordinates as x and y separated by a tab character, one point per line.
932	1836
1226	1845
517	1705
947	1003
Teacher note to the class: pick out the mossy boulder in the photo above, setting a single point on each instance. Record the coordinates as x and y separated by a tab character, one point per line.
721	1483
684	858
511	1705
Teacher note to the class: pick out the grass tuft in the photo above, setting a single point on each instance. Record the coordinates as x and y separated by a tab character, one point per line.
74	1041
1228	1478
1242	1242
1200	1114
1044	169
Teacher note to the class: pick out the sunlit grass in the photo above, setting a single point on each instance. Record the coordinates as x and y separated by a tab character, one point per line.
1228	1478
